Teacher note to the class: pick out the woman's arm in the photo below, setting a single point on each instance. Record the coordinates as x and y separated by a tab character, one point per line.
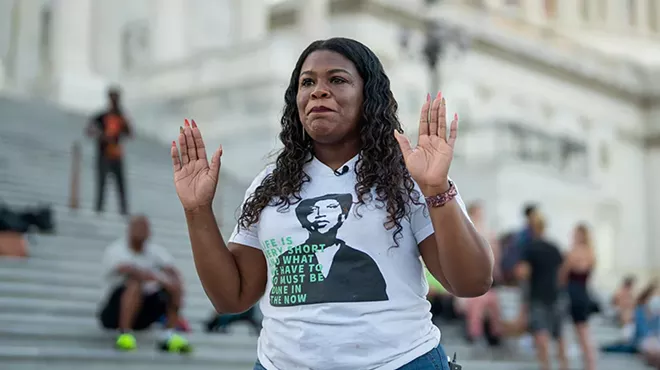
233	276
456	254
565	268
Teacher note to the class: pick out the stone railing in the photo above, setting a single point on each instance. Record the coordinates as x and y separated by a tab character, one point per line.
546	46
239	65
231	91
522	143
641	17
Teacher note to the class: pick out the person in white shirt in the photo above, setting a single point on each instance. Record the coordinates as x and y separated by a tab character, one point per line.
331	235
142	285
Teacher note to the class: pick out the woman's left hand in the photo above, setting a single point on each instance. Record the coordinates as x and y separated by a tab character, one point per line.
428	163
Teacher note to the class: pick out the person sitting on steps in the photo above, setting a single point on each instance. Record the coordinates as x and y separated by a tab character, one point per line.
219	323
143	285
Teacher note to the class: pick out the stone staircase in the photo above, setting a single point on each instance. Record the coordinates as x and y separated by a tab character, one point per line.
48	302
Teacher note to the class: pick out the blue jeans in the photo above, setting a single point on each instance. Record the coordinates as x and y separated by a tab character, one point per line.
436	359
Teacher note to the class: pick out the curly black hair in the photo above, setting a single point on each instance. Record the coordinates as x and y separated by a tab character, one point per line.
380	166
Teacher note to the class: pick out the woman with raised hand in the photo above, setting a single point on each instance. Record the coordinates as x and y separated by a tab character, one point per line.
331	234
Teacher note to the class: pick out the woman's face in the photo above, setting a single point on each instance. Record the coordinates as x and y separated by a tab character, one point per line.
579	238
329	97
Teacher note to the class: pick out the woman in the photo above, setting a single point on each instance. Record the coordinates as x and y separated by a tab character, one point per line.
574	274
647	325
623	303
297	239
482	313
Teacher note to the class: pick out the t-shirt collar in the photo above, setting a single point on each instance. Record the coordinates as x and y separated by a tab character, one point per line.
318	168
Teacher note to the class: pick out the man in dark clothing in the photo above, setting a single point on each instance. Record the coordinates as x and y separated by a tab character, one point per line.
514	251
539	268
109	127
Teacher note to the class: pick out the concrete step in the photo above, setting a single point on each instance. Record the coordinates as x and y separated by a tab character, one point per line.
92	237
197	298
84	252
93	230
101	341
83	269
60	166
31	357
163	219
71	269
75	281
23	358
87	179
137	204
29	306
94	337
60	193
43	145
47	277
177	243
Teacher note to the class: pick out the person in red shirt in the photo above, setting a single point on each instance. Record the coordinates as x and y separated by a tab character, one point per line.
109	128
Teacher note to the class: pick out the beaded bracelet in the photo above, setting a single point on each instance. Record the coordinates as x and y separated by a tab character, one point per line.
443	198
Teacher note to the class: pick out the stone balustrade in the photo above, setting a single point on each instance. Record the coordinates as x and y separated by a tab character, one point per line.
537	35
215	69
636	16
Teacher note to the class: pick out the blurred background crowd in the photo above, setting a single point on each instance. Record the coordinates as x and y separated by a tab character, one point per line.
558	159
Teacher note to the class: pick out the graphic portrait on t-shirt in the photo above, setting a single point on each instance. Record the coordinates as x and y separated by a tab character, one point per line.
324	268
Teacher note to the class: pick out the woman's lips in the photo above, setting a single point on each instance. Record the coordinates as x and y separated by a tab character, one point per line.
320	109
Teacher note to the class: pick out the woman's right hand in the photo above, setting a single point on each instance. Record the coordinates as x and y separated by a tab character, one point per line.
194	178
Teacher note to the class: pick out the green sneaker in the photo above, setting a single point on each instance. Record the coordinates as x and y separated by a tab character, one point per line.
176	344
126	342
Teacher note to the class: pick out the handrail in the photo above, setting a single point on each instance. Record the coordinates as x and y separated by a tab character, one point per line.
74	190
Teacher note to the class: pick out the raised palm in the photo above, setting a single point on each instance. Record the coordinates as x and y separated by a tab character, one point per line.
429	162
195	179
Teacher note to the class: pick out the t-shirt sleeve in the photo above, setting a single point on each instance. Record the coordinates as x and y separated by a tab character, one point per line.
249	236
163	256
420	220
114	257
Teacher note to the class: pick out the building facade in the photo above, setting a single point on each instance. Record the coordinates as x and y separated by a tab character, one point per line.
558	99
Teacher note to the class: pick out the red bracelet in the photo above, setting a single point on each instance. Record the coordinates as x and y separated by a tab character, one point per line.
443	198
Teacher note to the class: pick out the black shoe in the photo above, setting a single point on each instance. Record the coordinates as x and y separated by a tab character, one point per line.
43	220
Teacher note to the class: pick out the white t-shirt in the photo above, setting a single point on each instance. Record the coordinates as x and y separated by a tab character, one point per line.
340	295
153	258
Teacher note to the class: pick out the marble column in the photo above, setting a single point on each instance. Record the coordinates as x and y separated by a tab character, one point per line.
593	7
73	81
313	20
107	53
23	51
6	35
169	34
72	32
253	19
534	11
494	4
617	15
569	13
641	15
